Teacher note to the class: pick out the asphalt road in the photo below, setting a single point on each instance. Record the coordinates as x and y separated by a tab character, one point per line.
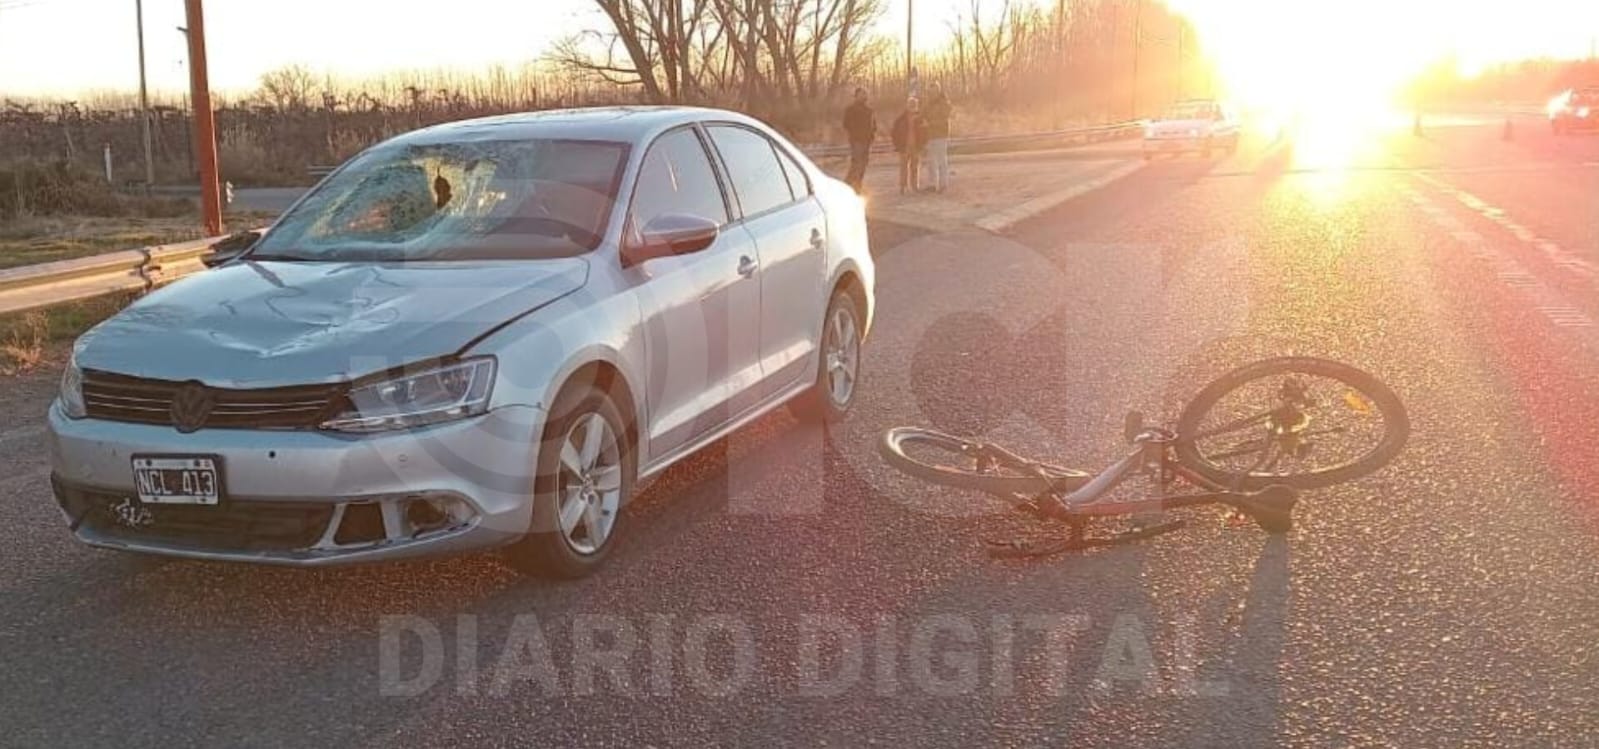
793	591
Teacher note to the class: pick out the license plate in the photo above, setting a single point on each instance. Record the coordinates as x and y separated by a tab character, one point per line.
177	480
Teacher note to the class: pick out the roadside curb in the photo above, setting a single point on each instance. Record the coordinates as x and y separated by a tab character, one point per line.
1000	221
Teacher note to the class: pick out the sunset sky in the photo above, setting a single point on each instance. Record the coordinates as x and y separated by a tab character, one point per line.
67	47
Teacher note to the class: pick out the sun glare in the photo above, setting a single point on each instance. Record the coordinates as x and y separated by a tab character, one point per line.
1331	73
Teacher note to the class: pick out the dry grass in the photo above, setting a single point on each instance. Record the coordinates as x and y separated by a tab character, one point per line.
43	239
22	348
26	338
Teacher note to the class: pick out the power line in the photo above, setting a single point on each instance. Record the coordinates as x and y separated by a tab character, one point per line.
9	5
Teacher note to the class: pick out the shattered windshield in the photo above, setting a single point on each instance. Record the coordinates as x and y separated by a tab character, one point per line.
527	199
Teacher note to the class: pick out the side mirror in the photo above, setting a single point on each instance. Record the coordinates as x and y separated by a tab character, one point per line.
670	234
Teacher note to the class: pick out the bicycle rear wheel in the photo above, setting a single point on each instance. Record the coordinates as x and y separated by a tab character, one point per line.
947	460
1298	421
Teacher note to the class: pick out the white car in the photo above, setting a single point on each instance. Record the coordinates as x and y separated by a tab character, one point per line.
1200	126
485	333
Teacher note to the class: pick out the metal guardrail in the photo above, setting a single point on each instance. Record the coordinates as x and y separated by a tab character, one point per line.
129	271
136	271
1026	141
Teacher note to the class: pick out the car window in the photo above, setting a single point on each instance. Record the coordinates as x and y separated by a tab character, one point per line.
676	178
798	183
757	176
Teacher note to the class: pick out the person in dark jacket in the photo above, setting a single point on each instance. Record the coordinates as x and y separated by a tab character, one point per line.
860	125
910	137
938	114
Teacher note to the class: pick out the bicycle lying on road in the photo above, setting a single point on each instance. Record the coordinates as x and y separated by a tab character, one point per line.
1251	441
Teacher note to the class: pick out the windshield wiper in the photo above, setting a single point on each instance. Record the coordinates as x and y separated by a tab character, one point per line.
279	257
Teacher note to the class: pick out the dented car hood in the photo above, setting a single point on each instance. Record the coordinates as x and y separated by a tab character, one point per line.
263	324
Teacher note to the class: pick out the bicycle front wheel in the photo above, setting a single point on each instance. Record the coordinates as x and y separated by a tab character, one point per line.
1305	422
947	460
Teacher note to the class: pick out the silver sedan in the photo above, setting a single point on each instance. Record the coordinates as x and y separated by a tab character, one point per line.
482	333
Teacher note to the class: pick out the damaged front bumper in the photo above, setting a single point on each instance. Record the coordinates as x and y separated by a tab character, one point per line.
305	498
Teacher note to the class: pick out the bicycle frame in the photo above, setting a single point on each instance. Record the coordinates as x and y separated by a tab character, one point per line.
1150	456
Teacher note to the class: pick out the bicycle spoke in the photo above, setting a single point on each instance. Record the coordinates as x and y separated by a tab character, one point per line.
1239	450
1235	426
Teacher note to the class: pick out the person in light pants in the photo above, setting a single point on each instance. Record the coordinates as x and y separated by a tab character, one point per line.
937	113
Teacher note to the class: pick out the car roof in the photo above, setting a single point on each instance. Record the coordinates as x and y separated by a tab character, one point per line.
628	124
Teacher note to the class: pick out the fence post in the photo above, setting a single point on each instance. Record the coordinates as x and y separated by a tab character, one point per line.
110	180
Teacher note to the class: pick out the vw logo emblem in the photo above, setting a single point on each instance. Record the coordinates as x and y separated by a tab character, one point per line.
191	407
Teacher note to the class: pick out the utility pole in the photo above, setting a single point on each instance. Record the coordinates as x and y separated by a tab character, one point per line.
910	24
144	103
1114	65
205	136
1182	77
1059	86
1138	40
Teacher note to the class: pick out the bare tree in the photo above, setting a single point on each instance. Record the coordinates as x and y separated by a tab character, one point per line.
287	88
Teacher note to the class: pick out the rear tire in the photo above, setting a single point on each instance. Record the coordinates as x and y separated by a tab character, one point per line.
838	366
1380	396
578	547
904	449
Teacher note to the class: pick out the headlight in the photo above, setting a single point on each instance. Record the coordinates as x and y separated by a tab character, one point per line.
71	395
456	391
1583	112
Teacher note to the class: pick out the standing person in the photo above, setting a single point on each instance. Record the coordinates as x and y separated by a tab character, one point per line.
860	124
910	137
938	114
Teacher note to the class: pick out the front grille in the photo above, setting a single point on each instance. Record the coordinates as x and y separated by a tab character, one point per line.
115	397
231	526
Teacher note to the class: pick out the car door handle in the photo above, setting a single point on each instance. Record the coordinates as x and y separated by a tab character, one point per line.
747	266
817	241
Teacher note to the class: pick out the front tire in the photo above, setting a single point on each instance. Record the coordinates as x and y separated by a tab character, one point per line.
1357	390
839	363
585	476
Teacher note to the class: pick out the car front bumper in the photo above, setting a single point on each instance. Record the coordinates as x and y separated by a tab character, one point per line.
305	498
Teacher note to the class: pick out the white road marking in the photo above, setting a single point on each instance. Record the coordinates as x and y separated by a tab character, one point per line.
1505	266
1559	256
1000	221
1567	317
